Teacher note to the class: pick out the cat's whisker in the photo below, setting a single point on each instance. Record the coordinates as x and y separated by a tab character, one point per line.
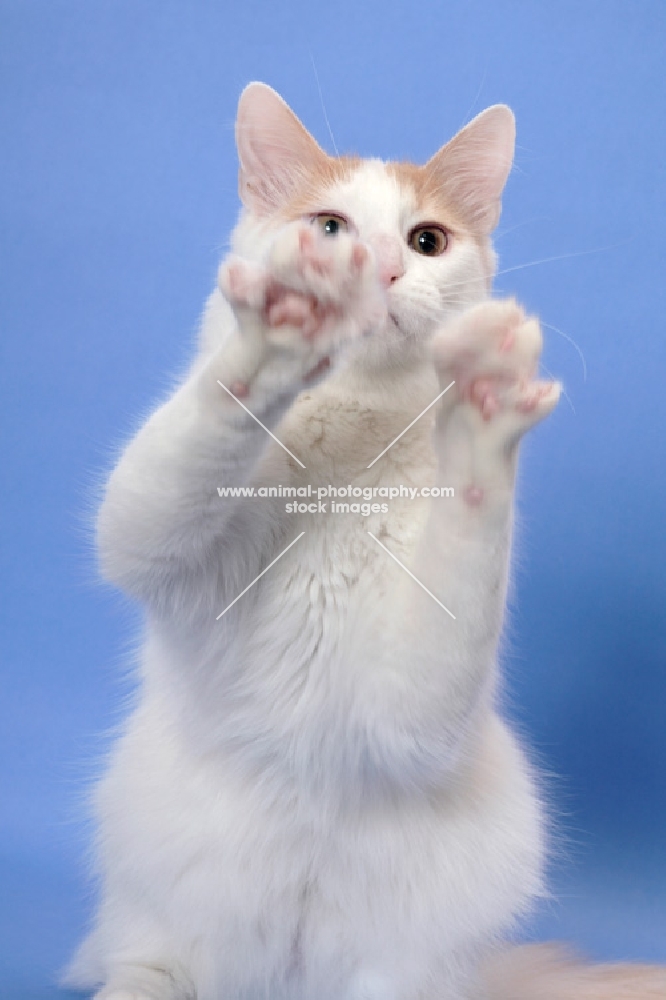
543	260
528	222
564	256
323	106
467	119
566	336
518	170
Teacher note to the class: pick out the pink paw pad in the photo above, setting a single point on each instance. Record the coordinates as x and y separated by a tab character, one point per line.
305	241
236	281
311	257
531	402
482	393
508	341
239	389
291	308
359	256
242	284
473	495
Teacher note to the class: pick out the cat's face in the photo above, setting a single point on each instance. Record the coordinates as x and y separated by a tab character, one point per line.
428	226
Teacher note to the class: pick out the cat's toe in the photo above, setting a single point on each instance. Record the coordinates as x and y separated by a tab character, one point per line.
519	407
525	343
243	283
537	399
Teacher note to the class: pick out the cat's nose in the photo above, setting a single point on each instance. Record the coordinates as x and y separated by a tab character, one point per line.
390	262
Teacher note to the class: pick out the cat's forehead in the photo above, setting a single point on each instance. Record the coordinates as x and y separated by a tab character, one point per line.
372	195
385	195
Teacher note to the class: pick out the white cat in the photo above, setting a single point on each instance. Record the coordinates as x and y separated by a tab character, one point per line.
314	797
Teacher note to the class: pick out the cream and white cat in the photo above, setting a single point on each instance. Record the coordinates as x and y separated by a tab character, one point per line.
314	797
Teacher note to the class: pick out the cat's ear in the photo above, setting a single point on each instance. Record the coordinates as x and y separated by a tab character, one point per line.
473	167
274	150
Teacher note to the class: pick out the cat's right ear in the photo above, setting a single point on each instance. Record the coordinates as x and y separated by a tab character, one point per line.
473	167
275	150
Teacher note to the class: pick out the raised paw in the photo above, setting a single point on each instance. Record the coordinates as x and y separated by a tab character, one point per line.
310	286
336	270
492	353
243	283
311	294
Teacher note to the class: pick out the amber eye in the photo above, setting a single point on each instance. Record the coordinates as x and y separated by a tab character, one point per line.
429	240
330	224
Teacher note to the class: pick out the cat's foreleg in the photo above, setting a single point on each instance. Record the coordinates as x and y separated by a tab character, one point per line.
442	661
162	514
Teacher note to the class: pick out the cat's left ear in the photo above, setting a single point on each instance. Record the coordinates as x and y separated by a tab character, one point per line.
473	167
274	149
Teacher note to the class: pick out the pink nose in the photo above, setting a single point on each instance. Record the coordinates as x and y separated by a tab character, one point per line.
388	251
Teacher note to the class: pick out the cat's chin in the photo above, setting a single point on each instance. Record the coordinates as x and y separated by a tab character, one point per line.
393	347
395	322
400	333
414	332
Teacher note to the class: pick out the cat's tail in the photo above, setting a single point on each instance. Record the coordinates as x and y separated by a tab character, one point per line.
550	972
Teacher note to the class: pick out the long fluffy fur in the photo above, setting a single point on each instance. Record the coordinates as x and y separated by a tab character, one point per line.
314	796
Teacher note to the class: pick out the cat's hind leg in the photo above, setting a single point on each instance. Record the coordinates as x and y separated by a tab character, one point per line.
144	982
141	966
136	982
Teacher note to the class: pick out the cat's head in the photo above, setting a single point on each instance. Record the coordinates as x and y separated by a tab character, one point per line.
429	225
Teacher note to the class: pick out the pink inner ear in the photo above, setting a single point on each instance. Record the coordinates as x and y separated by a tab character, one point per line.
275	150
473	167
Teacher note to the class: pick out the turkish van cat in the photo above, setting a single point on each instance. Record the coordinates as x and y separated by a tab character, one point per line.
314	797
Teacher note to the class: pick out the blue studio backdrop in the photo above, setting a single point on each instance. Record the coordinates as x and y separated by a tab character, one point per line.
118	191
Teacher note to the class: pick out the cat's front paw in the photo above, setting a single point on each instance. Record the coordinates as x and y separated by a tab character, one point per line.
492	353
313	293
326	284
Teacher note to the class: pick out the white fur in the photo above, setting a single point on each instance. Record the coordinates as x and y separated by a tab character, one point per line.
314	797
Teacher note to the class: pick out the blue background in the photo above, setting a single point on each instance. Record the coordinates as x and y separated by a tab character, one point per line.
118	190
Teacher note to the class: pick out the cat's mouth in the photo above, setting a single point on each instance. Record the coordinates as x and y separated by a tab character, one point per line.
406	332
396	323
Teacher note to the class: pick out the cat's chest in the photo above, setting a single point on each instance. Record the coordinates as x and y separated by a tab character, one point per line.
348	497
357	472
342	433
345	511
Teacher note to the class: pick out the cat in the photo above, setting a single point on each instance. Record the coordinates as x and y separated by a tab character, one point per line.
314	797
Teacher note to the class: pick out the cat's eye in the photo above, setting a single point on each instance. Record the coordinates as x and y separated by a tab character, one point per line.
331	224
429	240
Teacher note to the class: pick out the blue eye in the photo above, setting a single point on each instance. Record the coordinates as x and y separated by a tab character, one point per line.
330	224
